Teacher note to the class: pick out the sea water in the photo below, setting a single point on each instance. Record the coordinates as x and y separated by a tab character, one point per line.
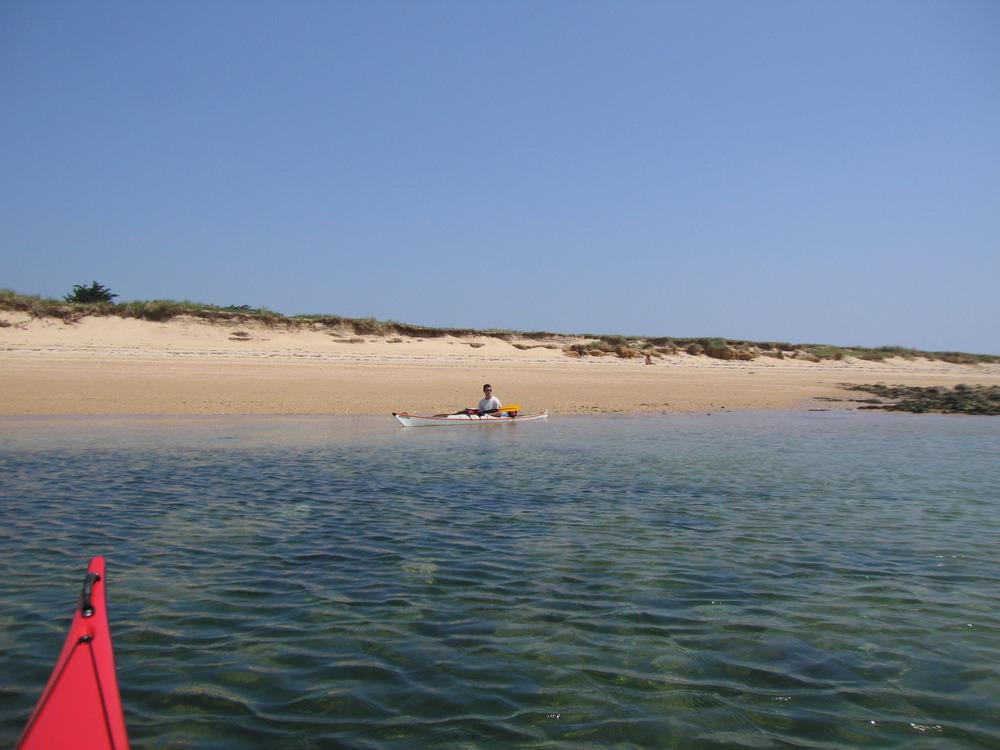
820	580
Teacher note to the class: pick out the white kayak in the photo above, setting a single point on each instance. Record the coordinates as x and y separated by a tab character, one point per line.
415	420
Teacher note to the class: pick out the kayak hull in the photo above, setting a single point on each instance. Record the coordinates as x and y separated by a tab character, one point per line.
80	707
463	420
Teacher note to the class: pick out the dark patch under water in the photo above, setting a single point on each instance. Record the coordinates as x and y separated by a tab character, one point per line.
962	399
736	581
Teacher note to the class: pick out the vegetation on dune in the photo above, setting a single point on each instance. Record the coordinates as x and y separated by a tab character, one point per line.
71	311
93	293
592	345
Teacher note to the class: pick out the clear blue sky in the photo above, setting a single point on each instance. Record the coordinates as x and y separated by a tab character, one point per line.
784	170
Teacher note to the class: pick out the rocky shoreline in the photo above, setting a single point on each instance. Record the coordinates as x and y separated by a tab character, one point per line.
962	399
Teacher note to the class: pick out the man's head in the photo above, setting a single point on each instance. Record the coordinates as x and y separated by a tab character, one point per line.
488	390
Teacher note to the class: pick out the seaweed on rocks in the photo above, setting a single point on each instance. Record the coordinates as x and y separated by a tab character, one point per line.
962	399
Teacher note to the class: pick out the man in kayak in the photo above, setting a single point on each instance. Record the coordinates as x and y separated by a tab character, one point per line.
490	403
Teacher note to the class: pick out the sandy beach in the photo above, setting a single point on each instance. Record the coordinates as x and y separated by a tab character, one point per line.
115	366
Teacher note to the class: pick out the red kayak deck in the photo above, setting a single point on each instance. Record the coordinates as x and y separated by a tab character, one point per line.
80	707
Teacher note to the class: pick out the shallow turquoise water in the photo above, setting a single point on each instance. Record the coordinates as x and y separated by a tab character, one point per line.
811	580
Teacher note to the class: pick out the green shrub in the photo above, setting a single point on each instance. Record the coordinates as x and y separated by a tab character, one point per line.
87	294
958	358
712	343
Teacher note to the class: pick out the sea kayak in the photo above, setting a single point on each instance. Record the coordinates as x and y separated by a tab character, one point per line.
80	707
416	420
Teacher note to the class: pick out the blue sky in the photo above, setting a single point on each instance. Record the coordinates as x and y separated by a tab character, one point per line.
796	171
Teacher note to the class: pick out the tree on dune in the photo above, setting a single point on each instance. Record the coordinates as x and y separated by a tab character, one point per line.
93	293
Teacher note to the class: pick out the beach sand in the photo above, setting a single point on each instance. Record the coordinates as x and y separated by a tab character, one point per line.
114	366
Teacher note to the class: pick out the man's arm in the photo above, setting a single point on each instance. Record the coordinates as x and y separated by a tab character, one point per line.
496	409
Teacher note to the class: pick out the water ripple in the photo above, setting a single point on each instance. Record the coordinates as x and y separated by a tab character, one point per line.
740	581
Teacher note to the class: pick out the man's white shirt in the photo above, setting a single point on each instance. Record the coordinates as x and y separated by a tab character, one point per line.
487	404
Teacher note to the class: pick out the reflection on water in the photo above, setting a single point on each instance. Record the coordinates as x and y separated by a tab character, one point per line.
821	580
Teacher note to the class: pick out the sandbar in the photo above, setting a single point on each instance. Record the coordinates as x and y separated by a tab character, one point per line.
115	366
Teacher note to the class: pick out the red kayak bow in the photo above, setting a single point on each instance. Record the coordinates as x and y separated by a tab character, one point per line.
80	707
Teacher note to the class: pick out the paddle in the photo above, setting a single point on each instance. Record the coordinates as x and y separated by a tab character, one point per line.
512	407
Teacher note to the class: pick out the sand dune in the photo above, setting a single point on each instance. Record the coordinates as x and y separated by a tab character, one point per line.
108	365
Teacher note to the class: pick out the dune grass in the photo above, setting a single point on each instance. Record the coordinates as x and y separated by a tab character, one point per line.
593	344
